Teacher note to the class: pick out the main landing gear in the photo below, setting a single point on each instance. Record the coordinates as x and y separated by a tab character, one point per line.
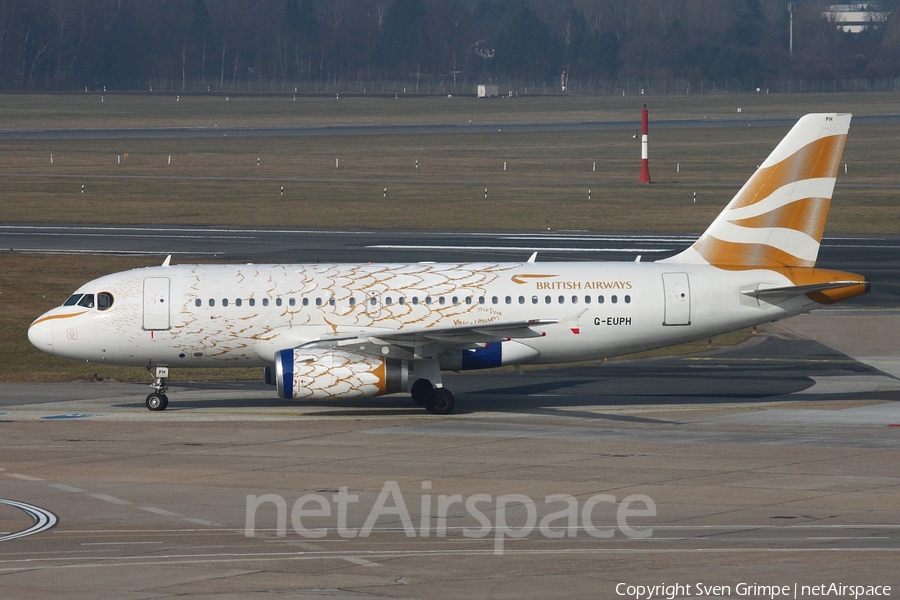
436	400
158	400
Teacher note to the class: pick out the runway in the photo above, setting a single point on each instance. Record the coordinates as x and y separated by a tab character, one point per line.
877	257
398	129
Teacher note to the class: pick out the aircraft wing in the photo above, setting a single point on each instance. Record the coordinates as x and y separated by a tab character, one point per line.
428	342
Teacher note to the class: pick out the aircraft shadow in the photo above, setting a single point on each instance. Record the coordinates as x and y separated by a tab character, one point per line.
774	368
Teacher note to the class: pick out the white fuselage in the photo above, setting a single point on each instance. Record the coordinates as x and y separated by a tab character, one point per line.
241	315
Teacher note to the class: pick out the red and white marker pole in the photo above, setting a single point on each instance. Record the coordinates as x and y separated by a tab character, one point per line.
645	153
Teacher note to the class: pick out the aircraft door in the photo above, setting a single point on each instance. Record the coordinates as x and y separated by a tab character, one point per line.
156	303
677	292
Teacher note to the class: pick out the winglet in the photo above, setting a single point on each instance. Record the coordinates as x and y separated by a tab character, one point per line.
167	261
533	257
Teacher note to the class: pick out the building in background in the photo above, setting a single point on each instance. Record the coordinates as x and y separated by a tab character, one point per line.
856	18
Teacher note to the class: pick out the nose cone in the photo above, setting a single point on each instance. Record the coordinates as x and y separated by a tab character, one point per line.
40	334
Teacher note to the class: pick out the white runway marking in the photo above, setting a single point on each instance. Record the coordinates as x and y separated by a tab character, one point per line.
23	477
117	543
513	248
361	561
107	498
67	488
203	522
43	519
238	557
112	500
159	511
111	252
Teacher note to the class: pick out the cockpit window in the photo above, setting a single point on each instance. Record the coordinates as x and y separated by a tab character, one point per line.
104	300
73	300
87	301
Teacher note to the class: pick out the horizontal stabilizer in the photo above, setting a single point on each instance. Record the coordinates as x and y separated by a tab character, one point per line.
796	290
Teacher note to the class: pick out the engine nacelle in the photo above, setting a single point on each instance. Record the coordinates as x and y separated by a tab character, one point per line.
495	354
321	374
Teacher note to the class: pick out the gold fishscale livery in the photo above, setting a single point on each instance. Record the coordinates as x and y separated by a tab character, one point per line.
342	331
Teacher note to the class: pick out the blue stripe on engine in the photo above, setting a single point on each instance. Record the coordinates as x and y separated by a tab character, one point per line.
483	358
287	373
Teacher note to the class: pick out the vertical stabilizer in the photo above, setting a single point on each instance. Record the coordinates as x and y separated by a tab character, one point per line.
776	220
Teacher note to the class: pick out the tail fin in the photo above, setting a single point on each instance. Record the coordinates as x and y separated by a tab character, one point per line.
776	220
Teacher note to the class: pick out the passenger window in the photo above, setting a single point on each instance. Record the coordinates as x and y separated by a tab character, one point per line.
388	301
277	301
318	302
306	302
627	299
402	300
105	300
73	300
521	299
509	299
224	301
292	302
441	300
427	299
198	302
574	299
352	301
252	301
534	299
547	299
599	299
87	301
455	299
265	301
331	302
415	299
238	302
587	299
614	299
468	299
212	302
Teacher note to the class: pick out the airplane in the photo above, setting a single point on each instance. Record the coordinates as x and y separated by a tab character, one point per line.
349	331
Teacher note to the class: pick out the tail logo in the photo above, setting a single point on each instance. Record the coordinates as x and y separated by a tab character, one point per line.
777	219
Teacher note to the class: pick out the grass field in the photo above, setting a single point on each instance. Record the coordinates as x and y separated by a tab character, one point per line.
217	181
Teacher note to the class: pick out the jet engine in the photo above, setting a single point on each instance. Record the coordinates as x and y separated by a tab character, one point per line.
323	373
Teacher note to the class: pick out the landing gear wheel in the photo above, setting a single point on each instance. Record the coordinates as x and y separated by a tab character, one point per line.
420	390
440	402
157	401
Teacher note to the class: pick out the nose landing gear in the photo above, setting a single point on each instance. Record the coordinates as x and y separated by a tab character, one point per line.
157	400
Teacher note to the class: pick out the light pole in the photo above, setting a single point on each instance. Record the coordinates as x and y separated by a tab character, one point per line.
791	26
